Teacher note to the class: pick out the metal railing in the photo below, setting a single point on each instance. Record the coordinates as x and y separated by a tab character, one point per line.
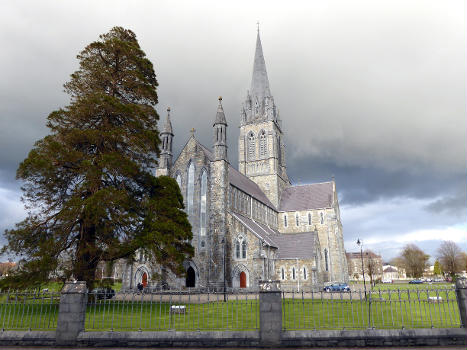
29	310
172	311
381	309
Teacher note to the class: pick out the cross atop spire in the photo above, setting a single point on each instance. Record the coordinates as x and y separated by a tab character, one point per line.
257	25
259	81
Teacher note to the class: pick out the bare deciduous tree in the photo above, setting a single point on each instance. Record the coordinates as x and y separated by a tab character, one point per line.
414	260
450	257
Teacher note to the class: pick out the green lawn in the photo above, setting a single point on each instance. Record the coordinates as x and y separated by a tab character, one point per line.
388	308
361	314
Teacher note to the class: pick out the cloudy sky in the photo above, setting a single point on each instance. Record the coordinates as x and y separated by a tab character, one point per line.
372	92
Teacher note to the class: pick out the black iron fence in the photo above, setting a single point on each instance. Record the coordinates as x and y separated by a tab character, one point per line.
29	310
381	309
162	311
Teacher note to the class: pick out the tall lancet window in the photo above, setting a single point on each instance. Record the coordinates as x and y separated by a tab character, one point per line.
251	146
190	189
202	211
263	150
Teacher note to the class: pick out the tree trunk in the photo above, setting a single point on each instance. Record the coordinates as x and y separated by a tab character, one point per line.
86	255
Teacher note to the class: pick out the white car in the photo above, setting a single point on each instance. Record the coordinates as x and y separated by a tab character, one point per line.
386	281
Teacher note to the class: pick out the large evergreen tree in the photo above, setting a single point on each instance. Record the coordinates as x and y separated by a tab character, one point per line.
89	184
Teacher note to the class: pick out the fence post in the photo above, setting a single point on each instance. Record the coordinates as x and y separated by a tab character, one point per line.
270	313
461	292
71	313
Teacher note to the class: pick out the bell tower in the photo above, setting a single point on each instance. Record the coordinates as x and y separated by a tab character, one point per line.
261	147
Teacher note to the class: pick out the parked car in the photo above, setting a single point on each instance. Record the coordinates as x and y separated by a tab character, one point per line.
103	293
337	287
387	281
416	282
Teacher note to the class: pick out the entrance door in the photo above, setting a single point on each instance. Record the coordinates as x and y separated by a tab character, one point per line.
242	279
190	277
144	279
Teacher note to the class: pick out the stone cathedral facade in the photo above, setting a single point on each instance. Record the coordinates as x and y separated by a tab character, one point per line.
249	224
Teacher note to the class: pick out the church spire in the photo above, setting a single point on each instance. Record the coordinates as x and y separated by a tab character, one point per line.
259	81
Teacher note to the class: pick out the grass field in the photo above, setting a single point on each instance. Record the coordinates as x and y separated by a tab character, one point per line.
387	308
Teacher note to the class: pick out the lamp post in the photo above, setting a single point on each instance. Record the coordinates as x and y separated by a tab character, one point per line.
223	262
360	244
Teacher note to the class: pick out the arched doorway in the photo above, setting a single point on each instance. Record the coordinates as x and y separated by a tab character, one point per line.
242	279
190	277
144	279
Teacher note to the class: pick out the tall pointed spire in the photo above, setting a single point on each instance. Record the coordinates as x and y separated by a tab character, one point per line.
259	82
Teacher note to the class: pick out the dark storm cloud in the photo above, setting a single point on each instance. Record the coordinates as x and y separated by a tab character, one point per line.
371	92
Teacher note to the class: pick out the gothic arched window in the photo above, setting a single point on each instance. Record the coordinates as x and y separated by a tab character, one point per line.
282	274
251	146
297	220
293	273
190	190
202	211
263	150
304	273
285	220
309	218
240	248
322	218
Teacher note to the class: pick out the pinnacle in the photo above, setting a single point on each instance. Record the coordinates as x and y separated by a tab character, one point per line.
168	125
220	116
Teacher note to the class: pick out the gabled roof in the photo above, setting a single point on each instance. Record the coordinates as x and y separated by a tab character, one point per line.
304	197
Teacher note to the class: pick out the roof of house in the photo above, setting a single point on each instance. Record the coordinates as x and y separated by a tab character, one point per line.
390	269
304	197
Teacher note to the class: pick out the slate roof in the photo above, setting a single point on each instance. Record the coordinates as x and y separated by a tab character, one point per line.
261	231
296	245
304	197
290	246
242	182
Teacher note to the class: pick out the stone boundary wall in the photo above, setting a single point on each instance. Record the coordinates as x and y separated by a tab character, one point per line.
247	339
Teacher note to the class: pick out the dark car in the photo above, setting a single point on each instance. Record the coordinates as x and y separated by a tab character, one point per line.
416	282
337	287
103	293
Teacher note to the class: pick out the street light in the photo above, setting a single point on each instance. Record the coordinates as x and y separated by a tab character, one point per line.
360	244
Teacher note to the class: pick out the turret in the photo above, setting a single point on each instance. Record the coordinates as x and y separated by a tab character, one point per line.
167	135
220	134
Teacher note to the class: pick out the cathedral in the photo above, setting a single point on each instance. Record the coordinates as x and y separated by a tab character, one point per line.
249	224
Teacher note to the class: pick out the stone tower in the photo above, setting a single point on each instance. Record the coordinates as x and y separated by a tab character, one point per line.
260	146
219	181
165	162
